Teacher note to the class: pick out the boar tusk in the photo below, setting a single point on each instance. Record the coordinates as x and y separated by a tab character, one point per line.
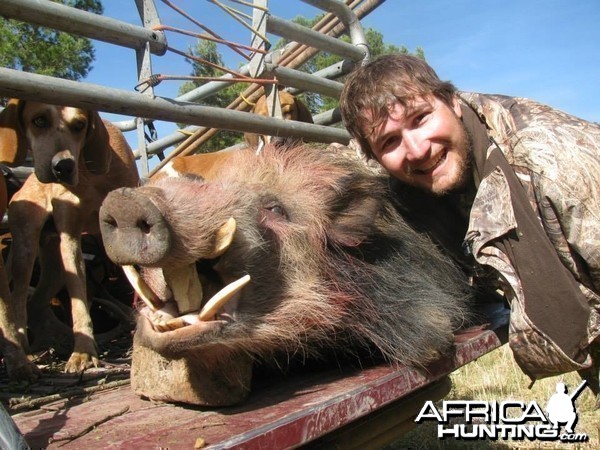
224	237
141	288
180	322
220	298
186	287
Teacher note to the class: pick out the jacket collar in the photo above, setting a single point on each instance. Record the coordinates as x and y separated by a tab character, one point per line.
480	140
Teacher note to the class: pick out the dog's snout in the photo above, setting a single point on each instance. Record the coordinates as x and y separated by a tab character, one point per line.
64	170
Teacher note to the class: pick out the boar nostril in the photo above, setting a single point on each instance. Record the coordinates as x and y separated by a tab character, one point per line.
144	226
110	221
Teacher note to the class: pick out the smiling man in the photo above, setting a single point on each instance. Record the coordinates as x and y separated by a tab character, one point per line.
520	181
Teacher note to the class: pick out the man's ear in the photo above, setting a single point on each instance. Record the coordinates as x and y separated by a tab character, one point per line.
456	107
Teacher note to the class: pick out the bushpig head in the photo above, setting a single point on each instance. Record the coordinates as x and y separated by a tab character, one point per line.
291	251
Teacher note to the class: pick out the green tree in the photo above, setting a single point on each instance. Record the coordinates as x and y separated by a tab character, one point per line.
44	51
207	50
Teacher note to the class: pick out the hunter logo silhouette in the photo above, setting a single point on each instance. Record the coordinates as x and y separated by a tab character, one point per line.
561	407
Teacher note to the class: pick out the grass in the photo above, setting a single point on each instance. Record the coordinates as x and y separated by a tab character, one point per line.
496	376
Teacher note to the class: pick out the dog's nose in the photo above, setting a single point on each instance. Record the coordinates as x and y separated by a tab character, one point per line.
64	169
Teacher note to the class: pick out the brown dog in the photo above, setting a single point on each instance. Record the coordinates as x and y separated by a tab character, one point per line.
78	159
291	109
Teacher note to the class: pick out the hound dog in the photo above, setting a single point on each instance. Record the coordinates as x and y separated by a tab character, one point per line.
78	158
291	109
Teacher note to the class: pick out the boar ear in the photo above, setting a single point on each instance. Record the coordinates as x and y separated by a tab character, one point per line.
223	238
355	215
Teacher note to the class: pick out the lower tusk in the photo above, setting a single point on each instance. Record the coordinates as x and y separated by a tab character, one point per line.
180	322
220	298
141	288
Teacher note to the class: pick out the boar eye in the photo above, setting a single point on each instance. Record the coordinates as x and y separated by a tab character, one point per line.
276	209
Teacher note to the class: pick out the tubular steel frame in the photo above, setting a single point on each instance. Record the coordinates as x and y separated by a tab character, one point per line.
148	40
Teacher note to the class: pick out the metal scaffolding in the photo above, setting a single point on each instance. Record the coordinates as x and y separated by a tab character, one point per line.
148	40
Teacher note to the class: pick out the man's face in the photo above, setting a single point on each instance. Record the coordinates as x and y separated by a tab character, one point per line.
424	145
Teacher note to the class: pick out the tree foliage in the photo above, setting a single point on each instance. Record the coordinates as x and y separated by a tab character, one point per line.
45	51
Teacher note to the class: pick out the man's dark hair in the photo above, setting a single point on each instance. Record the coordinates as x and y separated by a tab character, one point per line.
371	90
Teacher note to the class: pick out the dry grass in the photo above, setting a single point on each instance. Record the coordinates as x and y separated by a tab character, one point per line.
496	376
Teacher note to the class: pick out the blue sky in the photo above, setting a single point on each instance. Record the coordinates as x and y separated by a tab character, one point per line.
545	50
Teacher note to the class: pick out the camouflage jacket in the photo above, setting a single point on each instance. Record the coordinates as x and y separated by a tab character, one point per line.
556	158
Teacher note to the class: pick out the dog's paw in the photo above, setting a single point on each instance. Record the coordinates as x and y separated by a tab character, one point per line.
78	362
23	370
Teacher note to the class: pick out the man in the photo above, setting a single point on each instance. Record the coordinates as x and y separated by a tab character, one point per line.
519	180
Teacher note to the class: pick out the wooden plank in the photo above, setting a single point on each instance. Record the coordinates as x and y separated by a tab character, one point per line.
282	414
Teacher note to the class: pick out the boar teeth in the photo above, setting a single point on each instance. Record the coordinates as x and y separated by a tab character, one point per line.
180	322
220	298
141	288
186	287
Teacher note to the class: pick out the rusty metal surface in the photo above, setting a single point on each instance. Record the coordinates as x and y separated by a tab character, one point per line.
285	413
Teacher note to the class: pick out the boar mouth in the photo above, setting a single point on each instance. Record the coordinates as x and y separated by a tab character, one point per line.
186	305
169	316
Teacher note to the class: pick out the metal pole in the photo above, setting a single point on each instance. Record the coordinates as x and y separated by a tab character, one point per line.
28	86
305	81
295	32
349	19
83	23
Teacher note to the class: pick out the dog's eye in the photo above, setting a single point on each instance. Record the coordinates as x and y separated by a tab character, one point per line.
41	122
78	125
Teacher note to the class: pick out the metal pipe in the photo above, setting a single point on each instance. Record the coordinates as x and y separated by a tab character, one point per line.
298	33
326	118
29	86
332	72
329	117
305	81
212	87
83	23
206	90
350	20
167	141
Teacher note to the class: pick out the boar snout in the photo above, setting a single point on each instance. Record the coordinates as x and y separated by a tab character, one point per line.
133	228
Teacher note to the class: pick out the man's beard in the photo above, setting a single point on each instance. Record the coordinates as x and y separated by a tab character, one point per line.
464	147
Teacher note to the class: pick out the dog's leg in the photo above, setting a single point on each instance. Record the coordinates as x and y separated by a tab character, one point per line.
26	221
18	365
84	349
45	328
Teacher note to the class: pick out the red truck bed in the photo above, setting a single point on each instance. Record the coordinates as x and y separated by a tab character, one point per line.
363	409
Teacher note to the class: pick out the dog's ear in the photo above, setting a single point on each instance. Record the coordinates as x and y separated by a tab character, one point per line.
260	107
13	144
304	114
96	152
